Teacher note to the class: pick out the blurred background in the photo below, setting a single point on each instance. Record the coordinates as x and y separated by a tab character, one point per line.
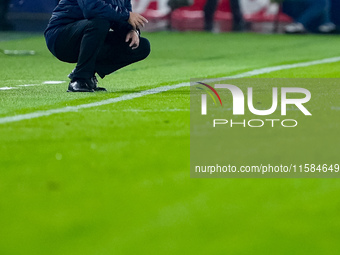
115	179
263	16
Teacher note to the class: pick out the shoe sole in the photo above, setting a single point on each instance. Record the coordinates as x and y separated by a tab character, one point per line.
100	89
80	91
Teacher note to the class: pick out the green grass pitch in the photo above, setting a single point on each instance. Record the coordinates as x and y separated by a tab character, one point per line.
115	179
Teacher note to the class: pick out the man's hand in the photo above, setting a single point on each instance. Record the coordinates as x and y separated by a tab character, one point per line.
133	36
136	20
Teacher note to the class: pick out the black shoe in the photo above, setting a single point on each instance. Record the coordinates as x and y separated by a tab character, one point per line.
79	86
94	83
99	89
91	82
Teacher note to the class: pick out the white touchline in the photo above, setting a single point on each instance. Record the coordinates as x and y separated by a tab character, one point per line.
131	96
28	85
276	68
147	110
31	85
53	82
6	88
17	86
38	114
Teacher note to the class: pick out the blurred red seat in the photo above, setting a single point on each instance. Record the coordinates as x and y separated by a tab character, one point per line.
266	22
223	17
192	17
263	16
189	17
152	13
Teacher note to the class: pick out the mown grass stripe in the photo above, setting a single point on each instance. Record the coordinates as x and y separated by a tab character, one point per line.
131	96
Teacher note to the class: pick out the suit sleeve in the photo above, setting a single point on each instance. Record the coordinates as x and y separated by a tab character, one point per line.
128	5
101	9
124	27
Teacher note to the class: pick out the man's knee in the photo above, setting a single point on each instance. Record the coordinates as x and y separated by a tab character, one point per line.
144	47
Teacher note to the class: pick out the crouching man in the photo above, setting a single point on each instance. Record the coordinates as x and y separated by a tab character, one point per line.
101	36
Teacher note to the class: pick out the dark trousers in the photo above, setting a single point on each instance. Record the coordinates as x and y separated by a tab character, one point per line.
308	12
210	8
95	49
4	5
